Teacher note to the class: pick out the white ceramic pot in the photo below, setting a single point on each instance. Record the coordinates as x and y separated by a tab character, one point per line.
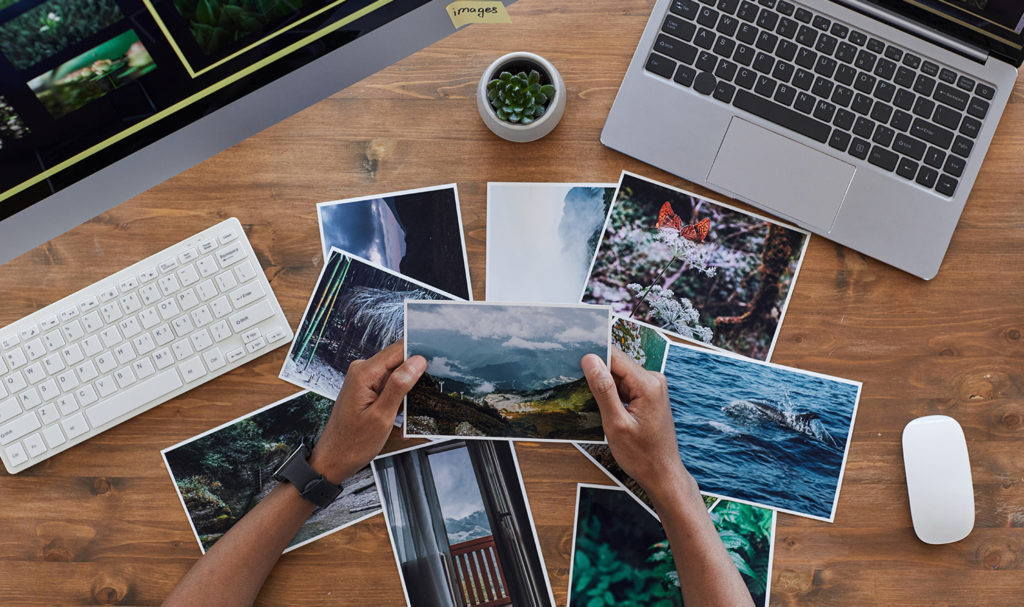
522	132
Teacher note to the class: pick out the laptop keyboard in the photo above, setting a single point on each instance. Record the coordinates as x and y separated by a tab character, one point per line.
825	80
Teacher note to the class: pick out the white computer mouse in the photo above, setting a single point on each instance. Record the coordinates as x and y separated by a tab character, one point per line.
938	479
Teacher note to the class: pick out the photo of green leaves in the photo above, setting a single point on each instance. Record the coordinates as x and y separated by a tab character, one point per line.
92	74
220	25
694	268
45	30
621	556
12	127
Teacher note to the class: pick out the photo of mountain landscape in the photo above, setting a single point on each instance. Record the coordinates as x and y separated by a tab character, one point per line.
505	370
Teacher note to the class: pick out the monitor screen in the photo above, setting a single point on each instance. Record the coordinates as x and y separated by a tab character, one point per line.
84	83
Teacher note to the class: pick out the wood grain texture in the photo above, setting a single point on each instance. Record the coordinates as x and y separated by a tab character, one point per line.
101	523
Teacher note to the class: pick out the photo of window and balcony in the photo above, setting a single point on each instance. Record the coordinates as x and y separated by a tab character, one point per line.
461	527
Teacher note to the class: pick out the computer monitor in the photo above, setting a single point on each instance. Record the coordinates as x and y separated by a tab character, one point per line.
102	99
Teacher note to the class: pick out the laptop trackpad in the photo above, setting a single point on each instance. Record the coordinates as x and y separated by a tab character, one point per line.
781	174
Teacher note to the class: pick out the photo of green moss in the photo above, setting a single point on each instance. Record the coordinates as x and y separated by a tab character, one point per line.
92	74
219	25
12	127
49	28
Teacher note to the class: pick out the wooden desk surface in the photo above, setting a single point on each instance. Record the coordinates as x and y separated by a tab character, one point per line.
101	522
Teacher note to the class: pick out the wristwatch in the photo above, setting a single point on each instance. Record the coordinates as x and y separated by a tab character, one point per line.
311	484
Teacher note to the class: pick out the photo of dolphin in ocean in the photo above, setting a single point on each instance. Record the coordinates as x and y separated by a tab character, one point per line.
808	424
759	432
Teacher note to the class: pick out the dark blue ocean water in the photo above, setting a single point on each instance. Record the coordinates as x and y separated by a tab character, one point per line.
766	453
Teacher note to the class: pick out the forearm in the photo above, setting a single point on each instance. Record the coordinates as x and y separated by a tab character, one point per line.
234	569
707	574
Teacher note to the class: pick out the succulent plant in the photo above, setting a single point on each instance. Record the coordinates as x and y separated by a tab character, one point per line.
519	98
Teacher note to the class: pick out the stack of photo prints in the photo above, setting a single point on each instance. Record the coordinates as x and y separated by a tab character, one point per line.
685	286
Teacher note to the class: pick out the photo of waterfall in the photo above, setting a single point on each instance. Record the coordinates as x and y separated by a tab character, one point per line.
357	309
541	238
415	232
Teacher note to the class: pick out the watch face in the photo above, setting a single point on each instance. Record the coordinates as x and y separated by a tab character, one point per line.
302	451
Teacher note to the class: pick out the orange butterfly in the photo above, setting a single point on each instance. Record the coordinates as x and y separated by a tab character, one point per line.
695	232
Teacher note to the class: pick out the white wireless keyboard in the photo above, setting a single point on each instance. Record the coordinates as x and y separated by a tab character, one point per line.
133	340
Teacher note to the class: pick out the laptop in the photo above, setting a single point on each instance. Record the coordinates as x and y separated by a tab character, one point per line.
864	121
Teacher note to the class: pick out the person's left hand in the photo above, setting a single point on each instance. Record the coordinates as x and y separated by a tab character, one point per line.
365	411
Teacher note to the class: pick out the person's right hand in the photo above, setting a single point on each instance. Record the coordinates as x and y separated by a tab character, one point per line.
641	436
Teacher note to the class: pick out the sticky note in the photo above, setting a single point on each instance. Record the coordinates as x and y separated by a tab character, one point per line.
464	12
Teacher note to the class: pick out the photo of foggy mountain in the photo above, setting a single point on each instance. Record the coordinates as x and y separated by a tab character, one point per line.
564	221
416	232
505	370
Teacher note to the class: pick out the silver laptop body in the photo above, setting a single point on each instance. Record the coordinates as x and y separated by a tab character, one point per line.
796	177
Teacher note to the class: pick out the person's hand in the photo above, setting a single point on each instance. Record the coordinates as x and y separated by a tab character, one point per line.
641	436
365	411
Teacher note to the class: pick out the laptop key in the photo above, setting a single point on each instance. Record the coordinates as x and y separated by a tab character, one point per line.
727	25
926	176
726	70
864	127
859	148
951	96
822	23
946	185
822	87
661	66
947	75
685	75
932	69
884	91
767	19
881	112
782	116
932	133
846	52
803	79
806	36
826	66
978	107
893	53
907	168
767	41
680	51
912	61
839	140
947	117
786	8
707	16
744	55
901	121
865	60
746	78
728	6
804	103
858	38
883	158
706	62
963	146
748	11
823	110
865	83
908	146
904	99
954	165
765	86
883	135
885	69
704	38
826	44
786	50
724	92
846	74
803	15
965	83
970	127
934	157
861	104
842	96
985	91
806	58
785	94
764	63
876	46
923	107
924	85
747	34
685	8
783	71
839	30
705	83
684	30
787	28
844	119
904	77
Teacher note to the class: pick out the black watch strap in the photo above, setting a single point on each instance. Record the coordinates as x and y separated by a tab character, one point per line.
311	484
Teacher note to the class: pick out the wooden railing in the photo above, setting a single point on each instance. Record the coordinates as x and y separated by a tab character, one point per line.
480	576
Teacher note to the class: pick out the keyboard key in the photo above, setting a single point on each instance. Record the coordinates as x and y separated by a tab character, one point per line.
806	36
865	83
192	369
726	70
946	185
90	345
823	110
21	426
29	332
724	47
685	8
764	63
842	96
785	94
859	148
826	44
904	99
806	58
75	425
803	79
16	454
947	117
685	75
962	146
954	165
825	66
846	52
768	110
707	16
864	128
934	157
804	103
932	133
235	354
904	77
883	135
883	158
706	62
927	176
705	83
132	398
948	75
978	107
86	395
908	146
787	28
15	358
15	382
54	437
67	404
766	42
724	92
143	368
923	107
861	104
924	85
727	26
110	336
671	47
276	334
821	22
35	350
881	112
786	50
747	11
970	127
846	75
744	55
901	121
952	97
965	83
985	91
34	444
9	409
105	386
865	60
704	38
930	68
912	61
214	359
839	140
844	119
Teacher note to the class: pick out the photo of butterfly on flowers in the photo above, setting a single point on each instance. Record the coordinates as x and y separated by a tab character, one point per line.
694	268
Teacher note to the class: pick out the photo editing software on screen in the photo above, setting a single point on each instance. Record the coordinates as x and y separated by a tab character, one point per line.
88	82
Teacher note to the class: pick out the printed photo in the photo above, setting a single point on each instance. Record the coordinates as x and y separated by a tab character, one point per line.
357	309
761	433
697	269
12	127
644	344
505	370
461	527
48	28
223	473
416	232
621	556
92	74
541	238
601	456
